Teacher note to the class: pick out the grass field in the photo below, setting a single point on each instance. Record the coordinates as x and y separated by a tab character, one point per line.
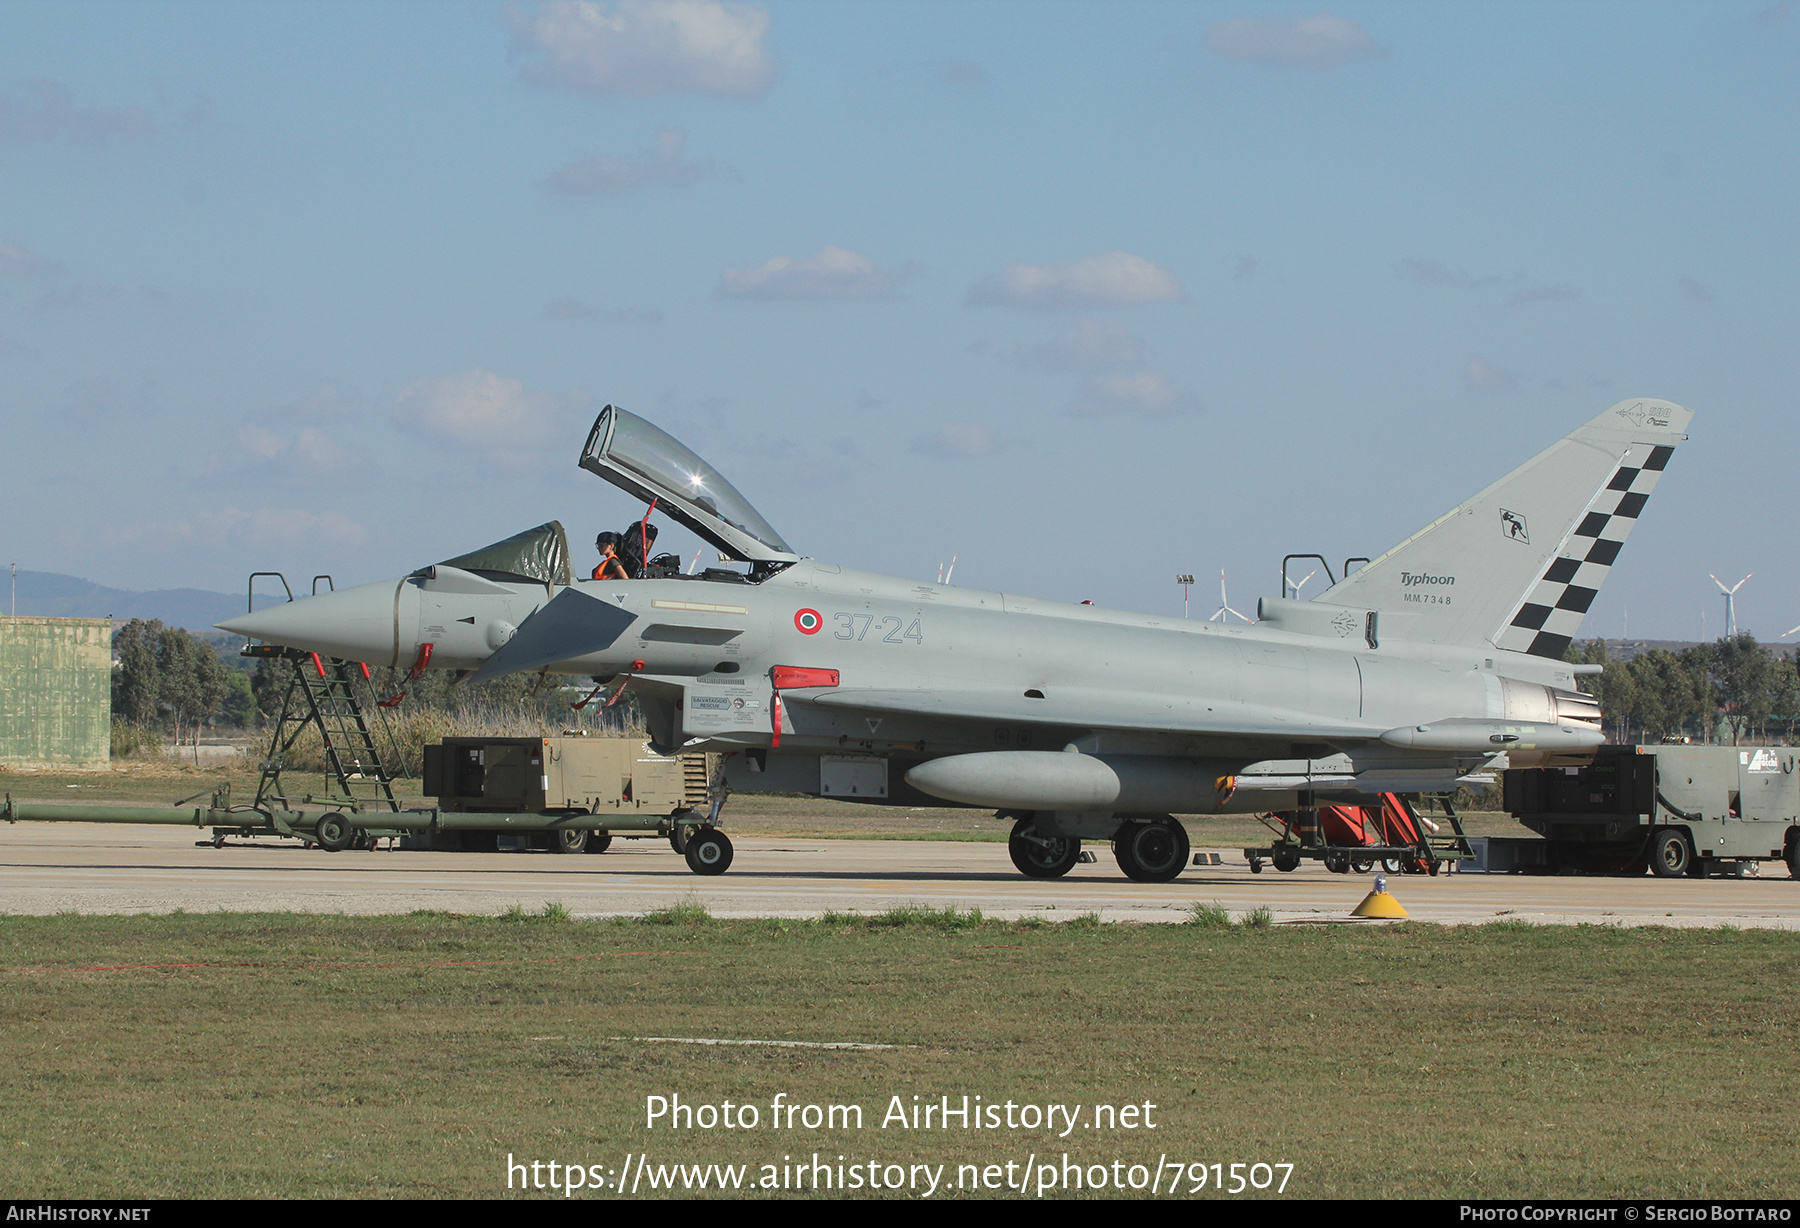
230	1055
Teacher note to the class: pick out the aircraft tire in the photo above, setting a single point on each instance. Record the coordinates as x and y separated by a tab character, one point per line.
1035	860
334	833
1151	852
1671	856
599	841
708	851
570	840
679	836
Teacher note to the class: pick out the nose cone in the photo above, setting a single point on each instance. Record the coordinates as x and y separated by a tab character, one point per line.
357	624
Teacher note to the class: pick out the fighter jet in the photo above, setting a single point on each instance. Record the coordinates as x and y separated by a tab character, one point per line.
1433	665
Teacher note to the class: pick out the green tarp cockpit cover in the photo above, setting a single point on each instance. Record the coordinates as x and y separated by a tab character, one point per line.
540	555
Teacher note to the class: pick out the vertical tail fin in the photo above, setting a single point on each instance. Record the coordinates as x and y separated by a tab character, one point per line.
1518	565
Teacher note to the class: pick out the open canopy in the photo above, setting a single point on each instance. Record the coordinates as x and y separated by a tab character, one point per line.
540	555
651	464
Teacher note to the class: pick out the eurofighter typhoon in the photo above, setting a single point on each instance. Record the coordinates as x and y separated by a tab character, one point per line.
1431	666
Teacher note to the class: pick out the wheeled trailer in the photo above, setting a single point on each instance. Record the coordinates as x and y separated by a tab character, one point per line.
335	827
1347	839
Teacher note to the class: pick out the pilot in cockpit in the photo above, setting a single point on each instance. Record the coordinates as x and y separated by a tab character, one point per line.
634	547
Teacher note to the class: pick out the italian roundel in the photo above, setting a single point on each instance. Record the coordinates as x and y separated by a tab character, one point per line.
808	622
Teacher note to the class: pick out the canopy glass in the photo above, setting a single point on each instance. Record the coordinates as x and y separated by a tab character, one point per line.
652	464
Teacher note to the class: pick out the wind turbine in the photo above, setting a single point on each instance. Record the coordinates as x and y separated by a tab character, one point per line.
1730	606
1302	584
1225	603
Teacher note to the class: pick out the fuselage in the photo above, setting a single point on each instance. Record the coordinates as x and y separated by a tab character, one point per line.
921	671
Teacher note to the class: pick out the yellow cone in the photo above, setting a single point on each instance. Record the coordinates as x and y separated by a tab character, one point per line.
1379	903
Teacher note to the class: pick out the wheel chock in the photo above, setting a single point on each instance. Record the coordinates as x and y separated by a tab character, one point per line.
1379	903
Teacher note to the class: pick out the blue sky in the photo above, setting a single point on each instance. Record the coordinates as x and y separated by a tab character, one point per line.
1086	294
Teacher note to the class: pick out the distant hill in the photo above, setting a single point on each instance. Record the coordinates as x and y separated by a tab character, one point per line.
45	594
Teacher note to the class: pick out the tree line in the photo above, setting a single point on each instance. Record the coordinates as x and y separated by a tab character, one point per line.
1735	689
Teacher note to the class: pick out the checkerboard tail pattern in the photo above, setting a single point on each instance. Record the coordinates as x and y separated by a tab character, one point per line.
1546	621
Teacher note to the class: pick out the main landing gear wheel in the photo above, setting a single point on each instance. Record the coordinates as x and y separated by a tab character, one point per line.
334	833
1285	858
679	835
599	841
1041	856
570	840
1671	856
708	851
1152	852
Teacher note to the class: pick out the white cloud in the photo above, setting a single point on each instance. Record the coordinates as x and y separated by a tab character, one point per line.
325	403
1696	292
602	175
1430	273
1544	294
1319	42
1150	393
1086	344
260	527
476	409
89	400
265	448
962	72
1483	376
1779	11
15	261
833	273
648	46
46	111
957	439
1111	279
568	308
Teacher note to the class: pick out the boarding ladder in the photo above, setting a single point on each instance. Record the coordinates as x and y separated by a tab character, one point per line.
323	694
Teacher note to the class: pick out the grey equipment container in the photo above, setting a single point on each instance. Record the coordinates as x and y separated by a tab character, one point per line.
1678	810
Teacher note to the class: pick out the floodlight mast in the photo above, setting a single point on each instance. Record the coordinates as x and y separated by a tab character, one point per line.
1186	583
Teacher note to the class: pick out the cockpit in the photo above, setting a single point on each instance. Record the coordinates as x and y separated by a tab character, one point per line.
650	464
